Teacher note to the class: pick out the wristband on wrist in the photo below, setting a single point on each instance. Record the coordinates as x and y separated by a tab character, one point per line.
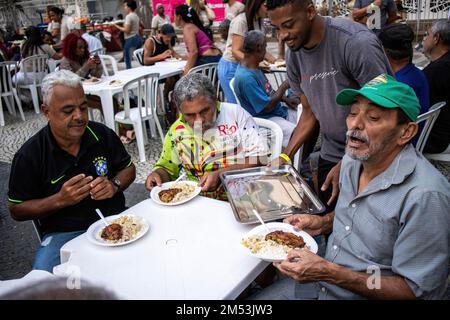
285	157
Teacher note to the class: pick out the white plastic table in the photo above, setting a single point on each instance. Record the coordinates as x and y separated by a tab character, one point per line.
106	91
191	251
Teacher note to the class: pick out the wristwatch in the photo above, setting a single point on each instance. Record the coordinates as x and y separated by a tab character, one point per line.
116	182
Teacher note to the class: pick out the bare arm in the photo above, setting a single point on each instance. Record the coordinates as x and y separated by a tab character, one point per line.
72	192
236	46
305	266
276	97
125	29
191	43
391	287
305	127
149	47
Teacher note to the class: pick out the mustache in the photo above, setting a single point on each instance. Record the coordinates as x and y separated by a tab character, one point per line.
77	123
357	135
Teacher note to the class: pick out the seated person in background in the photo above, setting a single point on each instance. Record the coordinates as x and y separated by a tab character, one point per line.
254	91
436	46
397	42
47	38
32	46
200	47
159	47
208	138
390	231
67	170
77	58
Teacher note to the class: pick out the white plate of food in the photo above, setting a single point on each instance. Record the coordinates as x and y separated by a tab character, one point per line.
92	80
122	230
274	245
115	82
175	193
173	59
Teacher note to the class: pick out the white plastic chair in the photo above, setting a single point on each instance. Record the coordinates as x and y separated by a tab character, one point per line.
273	134
234	92
209	70
443	156
280	77
107	63
53	65
429	118
8	92
146	88
98	51
138	55
39	65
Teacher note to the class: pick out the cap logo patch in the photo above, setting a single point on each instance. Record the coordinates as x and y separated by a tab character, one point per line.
377	80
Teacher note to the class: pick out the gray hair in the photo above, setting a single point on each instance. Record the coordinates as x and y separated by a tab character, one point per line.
57	289
191	86
442	29
64	77
253	41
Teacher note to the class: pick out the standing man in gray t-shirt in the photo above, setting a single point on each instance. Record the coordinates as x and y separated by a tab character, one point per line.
325	55
367	11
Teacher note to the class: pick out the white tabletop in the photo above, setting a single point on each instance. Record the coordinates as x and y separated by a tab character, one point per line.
191	251
106	91
165	70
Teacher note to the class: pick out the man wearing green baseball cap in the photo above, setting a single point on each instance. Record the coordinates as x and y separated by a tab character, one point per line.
390	228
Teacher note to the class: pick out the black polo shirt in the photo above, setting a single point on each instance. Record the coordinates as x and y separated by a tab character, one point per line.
41	167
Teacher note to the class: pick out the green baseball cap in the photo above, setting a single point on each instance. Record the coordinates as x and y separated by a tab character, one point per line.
386	92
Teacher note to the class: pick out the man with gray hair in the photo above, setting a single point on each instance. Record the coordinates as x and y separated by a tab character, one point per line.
254	92
208	138
67	170
436	46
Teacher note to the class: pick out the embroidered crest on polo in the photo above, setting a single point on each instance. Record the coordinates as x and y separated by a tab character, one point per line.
101	166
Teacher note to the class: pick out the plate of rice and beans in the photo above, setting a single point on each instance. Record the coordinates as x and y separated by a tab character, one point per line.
274	244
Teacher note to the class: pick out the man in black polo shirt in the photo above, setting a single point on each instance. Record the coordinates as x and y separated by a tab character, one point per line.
67	170
436	46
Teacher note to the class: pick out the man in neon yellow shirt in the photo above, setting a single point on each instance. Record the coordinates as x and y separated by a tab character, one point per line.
207	139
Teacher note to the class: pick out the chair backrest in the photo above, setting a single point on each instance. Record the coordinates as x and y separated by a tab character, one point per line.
138	54
37	229
280	77
53	65
429	118
209	70
39	64
273	134
98	51
234	92
144	92
6	84
106	62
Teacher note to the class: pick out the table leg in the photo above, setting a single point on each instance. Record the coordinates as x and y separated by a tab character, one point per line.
108	109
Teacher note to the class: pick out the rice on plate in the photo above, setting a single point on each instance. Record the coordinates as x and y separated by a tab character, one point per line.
131	228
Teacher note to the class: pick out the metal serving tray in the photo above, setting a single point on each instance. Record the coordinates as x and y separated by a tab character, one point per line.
275	193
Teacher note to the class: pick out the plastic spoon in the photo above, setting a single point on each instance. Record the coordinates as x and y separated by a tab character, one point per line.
260	220
101	216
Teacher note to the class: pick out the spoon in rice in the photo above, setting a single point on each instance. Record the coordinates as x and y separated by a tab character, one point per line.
261	220
102	217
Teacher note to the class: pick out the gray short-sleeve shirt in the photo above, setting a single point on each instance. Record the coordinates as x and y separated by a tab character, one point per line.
348	56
